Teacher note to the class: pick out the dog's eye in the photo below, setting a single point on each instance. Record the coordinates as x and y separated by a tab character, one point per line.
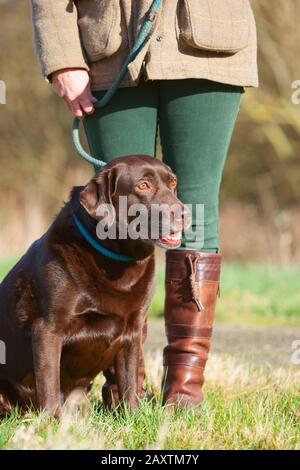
173	184
143	186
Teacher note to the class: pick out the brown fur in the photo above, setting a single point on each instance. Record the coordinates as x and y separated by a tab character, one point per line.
68	312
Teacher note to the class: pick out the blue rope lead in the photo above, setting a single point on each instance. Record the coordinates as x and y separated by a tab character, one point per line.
142	38
96	245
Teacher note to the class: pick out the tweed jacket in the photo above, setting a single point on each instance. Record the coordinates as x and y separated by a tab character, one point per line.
208	39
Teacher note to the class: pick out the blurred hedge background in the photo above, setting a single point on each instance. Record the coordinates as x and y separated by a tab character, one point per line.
260	201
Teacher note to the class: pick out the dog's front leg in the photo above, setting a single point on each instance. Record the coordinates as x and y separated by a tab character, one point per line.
46	346
126	365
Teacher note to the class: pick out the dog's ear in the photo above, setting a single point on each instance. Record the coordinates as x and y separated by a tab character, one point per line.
89	197
99	191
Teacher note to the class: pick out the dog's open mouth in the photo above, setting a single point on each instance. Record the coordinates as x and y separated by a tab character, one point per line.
173	240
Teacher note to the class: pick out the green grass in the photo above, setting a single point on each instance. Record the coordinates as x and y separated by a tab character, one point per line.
245	408
5	266
251	295
260	295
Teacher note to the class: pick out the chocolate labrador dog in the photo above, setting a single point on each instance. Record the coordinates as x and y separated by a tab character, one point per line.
73	305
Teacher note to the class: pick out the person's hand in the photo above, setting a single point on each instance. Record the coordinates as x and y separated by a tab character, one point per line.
73	86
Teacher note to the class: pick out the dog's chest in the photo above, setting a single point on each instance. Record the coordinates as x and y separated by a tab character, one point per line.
107	303
107	318
104	317
94	337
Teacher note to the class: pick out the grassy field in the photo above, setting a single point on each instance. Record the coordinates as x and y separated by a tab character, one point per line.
246	406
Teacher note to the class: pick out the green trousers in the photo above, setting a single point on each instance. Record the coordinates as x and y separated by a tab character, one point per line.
196	120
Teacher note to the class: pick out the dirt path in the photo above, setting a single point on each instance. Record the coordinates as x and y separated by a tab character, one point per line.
262	345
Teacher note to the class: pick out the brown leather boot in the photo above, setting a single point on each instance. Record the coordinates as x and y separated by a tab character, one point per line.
192	286
110	394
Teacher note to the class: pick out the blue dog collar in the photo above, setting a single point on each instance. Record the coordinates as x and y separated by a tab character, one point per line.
96	245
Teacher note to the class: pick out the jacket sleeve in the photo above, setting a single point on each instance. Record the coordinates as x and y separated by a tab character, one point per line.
56	35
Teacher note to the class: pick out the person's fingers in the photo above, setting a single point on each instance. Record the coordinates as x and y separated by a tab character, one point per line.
87	100
76	109
73	86
91	97
86	105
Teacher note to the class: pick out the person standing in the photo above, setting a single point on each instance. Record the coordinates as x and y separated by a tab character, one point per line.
187	80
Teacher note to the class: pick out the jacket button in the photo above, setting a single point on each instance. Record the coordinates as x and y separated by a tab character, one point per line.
159	38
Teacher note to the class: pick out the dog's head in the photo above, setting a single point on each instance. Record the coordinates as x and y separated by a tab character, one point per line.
134	192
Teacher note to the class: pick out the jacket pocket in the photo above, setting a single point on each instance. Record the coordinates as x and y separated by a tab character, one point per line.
215	25
101	28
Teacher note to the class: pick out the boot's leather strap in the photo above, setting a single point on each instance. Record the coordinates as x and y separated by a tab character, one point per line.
184	359
187	331
208	272
195	286
207	266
